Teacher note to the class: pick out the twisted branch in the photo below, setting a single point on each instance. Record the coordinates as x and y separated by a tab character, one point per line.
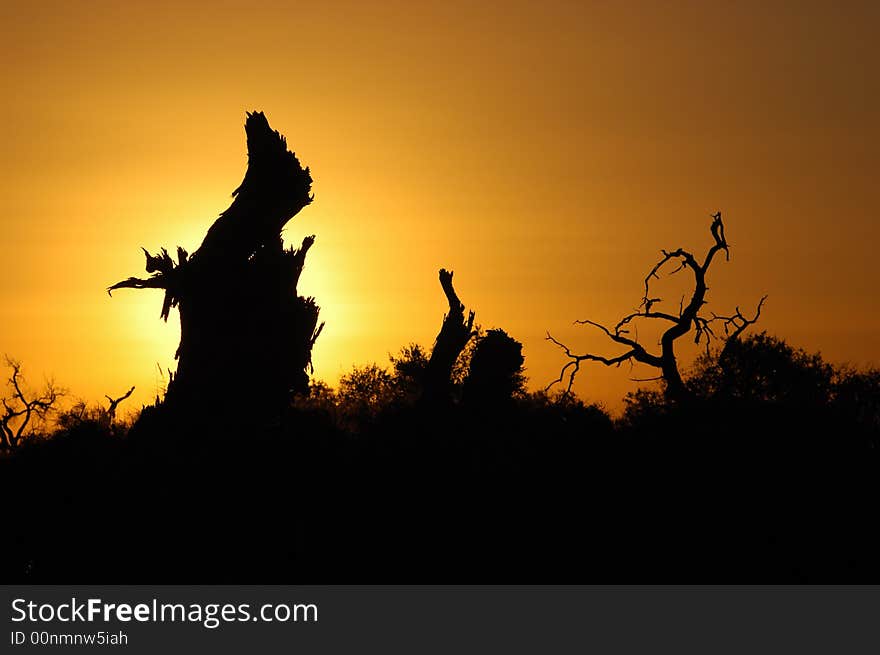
688	317
114	403
20	406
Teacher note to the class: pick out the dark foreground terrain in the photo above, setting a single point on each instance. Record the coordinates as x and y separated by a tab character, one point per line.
526	491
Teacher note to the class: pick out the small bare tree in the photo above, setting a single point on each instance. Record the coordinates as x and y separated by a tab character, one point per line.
81	412
688	317
110	412
23	410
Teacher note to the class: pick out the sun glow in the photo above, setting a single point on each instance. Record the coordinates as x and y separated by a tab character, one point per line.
532	150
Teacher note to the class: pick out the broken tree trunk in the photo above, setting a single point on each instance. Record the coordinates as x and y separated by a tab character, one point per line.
246	336
451	341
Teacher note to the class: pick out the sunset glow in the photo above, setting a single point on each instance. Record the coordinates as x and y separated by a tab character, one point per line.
545	152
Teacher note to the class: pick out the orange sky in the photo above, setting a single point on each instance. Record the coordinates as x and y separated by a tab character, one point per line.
544	151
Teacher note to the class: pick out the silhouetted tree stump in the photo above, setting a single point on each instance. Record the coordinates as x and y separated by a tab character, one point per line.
455	332
246	335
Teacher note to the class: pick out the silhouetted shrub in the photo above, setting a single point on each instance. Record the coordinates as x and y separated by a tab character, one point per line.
763	368
644	408
496	370
856	394
365	392
409	370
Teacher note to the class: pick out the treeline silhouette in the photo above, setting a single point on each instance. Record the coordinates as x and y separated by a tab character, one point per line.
767	477
753	467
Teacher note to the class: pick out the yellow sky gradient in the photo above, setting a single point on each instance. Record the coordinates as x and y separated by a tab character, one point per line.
543	151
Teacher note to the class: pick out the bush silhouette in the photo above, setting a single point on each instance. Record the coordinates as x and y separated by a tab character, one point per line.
496	371
763	368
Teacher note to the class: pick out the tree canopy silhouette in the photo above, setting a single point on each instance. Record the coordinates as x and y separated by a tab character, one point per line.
495	373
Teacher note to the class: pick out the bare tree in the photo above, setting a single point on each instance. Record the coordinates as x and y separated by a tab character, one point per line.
110	412
688	318
81	412
23	409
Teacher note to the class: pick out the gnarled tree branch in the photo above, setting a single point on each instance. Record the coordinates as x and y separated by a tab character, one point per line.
688	317
114	403
21	407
